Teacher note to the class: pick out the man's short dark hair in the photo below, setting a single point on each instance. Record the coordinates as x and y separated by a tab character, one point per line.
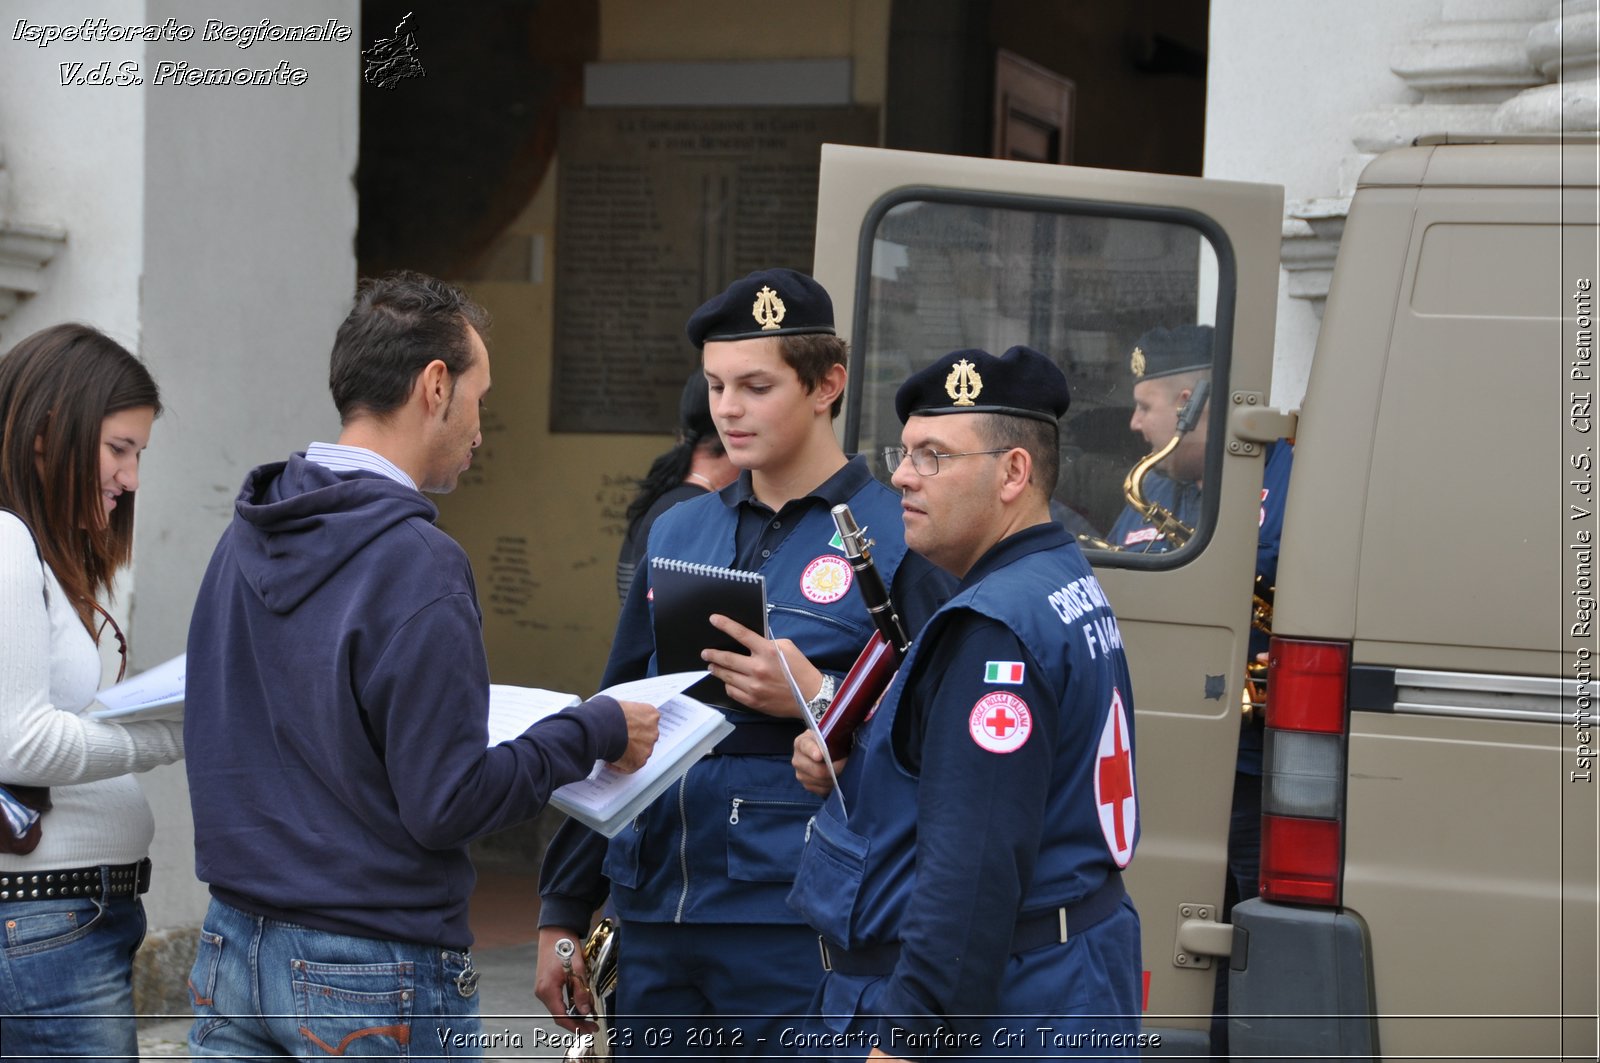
400	322
1041	439
810	355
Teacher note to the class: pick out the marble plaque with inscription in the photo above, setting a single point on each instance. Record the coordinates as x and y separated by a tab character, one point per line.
659	209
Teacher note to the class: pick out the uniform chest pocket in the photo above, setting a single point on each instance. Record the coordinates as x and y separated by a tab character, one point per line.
833	635
766	831
831	869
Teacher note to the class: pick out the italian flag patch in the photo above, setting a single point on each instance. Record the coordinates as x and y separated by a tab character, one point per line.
1007	672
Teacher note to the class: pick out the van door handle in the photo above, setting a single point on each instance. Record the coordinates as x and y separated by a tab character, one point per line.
1200	937
1251	420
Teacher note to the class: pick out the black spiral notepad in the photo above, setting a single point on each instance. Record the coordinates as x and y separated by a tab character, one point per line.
684	595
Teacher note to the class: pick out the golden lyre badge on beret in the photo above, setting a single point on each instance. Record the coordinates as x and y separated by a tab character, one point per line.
963	384
768	309
1136	363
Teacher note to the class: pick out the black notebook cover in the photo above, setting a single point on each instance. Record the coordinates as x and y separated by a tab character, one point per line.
684	595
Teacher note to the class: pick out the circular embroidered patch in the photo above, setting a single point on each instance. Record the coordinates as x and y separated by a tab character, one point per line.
1000	722
826	579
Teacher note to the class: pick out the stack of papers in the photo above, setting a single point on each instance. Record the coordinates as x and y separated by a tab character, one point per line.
608	799
605	801
156	694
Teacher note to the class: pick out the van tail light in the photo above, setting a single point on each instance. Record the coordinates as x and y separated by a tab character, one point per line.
1303	778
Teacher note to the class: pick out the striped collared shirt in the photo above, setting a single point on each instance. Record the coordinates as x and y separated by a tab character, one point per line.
342	458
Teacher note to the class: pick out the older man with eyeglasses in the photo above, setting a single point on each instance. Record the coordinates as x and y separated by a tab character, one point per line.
970	901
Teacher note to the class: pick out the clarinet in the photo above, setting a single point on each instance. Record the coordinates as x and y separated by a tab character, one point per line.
869	677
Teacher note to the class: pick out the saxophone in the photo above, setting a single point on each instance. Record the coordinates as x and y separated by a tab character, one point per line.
1254	697
600	967
1166	523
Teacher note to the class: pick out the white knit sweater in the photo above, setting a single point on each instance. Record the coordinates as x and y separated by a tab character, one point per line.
49	673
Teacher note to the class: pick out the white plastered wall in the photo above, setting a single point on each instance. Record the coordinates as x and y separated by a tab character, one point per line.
210	229
1285	81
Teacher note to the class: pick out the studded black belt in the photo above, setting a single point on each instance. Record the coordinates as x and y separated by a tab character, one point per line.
120	880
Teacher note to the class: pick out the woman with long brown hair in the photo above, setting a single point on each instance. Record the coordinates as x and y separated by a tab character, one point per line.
76	410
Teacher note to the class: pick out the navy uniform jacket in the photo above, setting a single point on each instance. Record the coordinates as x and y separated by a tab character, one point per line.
722	846
994	781
1132	533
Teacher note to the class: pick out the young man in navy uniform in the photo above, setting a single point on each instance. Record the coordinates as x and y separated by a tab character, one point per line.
968	887
1167	363
712	959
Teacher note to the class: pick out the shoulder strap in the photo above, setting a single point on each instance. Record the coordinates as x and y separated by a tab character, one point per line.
14	513
39	553
35	798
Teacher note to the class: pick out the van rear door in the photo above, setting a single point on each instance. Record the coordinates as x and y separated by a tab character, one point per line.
924	254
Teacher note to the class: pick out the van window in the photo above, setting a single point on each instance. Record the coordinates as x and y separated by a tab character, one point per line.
1084	285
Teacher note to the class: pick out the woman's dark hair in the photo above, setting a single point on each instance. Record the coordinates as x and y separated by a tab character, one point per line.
694	427
56	387
400	322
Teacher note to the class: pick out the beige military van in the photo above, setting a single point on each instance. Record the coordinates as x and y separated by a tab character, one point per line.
1429	861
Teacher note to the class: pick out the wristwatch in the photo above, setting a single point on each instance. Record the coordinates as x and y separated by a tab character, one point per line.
819	704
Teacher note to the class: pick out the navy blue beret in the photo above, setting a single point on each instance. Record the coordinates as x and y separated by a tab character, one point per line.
1164	351
1022	382
769	302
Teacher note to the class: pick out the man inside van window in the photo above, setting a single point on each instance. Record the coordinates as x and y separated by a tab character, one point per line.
1168	364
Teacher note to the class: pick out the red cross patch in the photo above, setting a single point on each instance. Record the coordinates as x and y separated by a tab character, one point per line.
1000	722
1113	784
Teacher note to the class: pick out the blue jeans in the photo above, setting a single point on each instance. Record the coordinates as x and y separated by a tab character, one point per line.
265	988
66	977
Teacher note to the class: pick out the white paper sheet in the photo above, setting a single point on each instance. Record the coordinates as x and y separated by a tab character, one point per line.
156	693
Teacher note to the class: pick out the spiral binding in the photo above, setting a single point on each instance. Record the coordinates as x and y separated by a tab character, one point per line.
699	569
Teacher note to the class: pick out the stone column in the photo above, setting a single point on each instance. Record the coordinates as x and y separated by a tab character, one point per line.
1463	67
1565	47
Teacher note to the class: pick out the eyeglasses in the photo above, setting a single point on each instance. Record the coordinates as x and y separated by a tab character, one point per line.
122	641
925	460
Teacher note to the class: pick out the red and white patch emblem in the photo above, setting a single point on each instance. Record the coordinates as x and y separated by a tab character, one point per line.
1000	722
1141	535
1113	784
826	579
1262	523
